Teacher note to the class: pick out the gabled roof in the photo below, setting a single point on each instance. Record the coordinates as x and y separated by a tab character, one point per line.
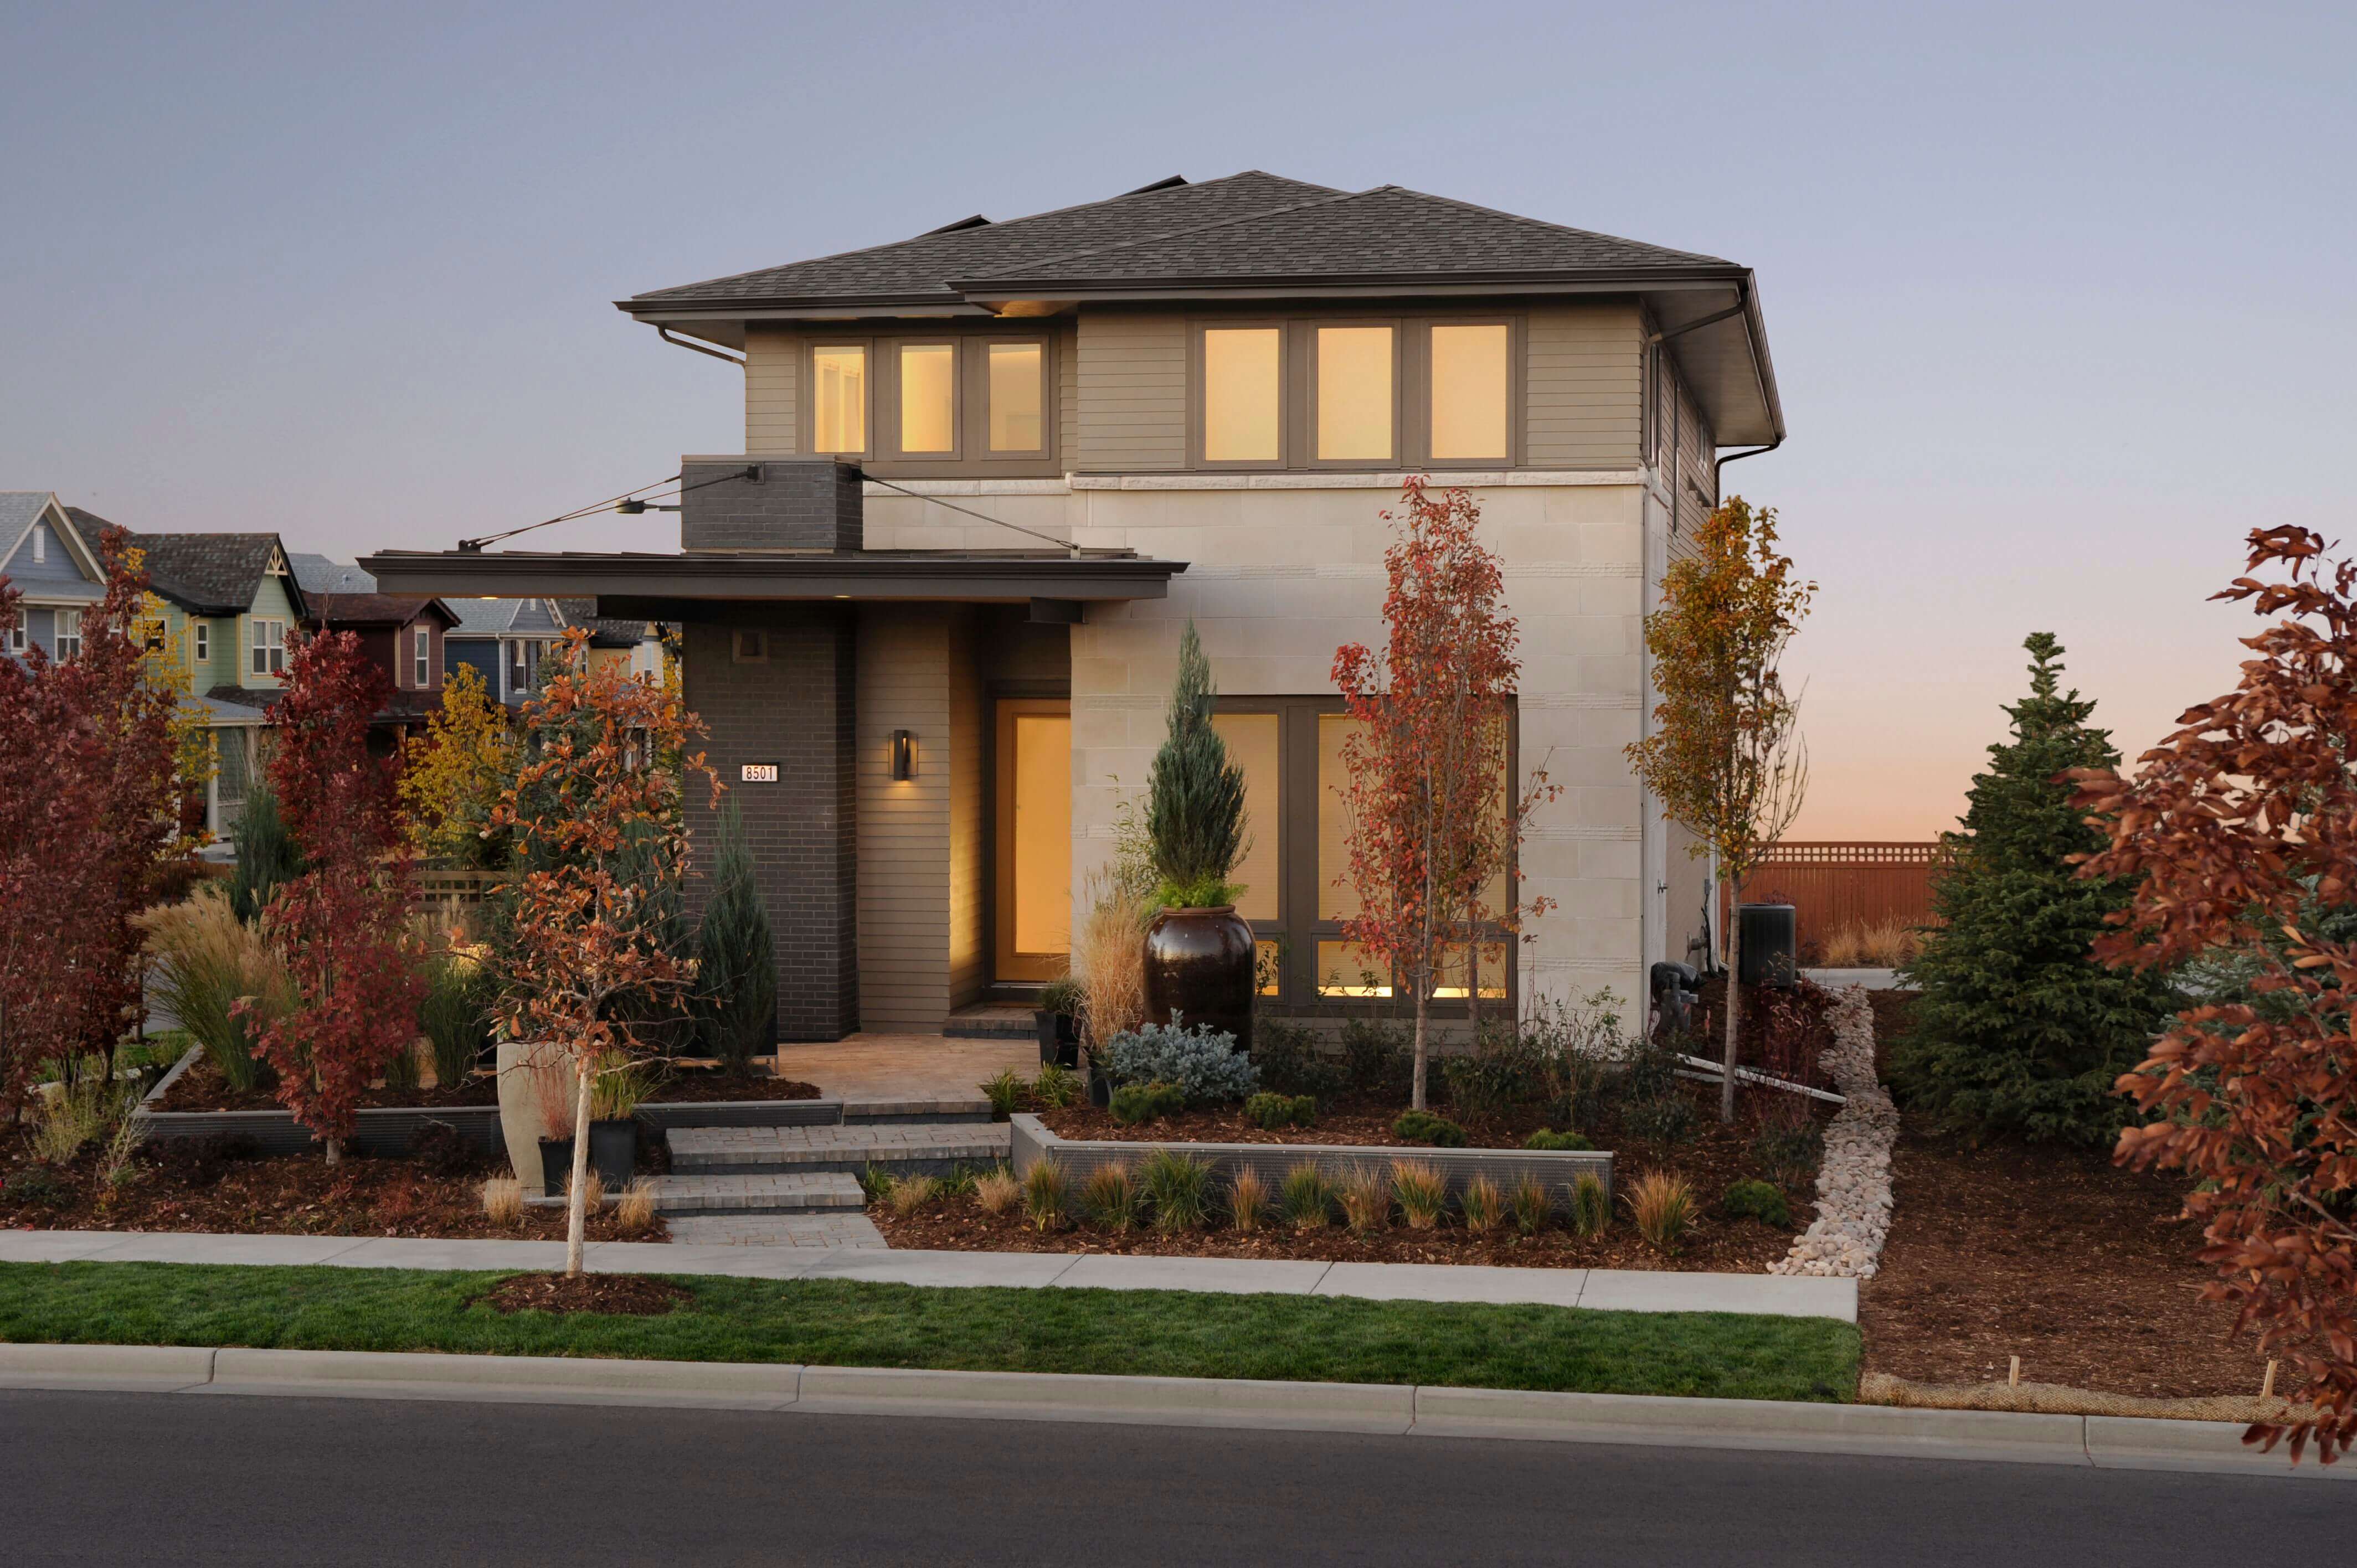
348	610
919	269
20	510
605	631
214	574
319	574
496	618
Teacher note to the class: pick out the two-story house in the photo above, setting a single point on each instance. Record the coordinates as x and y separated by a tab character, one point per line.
931	610
46	559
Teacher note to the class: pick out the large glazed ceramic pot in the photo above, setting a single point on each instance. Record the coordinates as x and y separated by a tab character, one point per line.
1199	967
531	1074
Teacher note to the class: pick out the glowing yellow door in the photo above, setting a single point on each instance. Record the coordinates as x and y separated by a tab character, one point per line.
1033	845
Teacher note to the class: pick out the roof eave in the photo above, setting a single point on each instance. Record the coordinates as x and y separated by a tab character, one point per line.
758	577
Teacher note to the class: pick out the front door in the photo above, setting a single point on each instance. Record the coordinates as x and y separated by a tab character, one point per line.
1032	845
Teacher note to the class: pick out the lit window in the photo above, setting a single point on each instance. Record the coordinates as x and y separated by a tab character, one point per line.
839	399
928	397
1469	392
423	665
269	651
1338	900
1252	743
1354	394
69	634
204	642
1242	394
1017	391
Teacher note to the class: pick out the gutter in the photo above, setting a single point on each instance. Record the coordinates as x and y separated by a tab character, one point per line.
665	334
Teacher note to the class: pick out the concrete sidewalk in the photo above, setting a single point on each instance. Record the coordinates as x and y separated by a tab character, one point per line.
1615	1290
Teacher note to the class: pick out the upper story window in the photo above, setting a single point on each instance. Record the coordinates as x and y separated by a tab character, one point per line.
269	648
69	640
1017	390
976	400
1414	391
839	398
422	661
928	399
16	634
202	643
40	543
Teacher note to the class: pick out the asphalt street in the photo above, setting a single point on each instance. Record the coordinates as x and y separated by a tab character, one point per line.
97	1478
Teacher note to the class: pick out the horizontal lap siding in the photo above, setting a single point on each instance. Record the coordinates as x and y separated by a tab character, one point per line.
770	368
904	827
1133	393
1585	394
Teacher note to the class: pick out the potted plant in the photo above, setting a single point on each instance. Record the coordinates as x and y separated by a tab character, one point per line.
614	1101
1058	1019
1199	954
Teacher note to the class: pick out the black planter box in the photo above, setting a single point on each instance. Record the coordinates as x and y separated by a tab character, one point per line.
614	1151
1060	1037
556	1166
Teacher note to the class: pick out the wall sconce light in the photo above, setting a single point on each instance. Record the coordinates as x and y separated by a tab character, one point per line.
904	756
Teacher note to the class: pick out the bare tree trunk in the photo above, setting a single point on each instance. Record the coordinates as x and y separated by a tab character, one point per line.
1415	1096
334	1152
1734	1011
578	1200
1473	981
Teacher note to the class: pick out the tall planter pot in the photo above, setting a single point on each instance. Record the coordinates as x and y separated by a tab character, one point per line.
614	1151
1199	967
523	1106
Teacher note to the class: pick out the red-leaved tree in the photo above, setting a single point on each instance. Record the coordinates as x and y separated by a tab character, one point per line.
596	818
1433	816
2240	834
342	925
86	817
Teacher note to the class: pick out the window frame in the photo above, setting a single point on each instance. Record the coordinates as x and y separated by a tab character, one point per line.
886	440
979	395
1419	407
200	642
260	660
1199	393
58	636
1312	357
807	419
421	661
970	389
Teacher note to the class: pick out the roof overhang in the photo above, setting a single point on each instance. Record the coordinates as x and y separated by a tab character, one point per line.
670	587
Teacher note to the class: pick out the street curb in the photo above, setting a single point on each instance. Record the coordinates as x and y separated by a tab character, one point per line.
2114	1443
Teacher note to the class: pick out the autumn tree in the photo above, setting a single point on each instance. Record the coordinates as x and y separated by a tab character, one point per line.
2238	832
1432	813
588	962
342	923
87	815
453	774
1725	756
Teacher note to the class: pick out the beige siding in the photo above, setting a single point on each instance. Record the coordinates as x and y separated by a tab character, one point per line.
969	968
770	364
1133	393
905	832
1067	394
1695	450
1689	880
1585	399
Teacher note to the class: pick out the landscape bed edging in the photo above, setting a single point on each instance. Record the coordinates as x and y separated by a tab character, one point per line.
1082	1157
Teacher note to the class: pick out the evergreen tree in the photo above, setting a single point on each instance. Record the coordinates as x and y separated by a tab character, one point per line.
2019	1032
267	853
1195	798
738	975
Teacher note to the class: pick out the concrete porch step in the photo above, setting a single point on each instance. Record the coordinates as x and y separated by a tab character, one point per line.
943	1110
773	1192
991	1021
902	1149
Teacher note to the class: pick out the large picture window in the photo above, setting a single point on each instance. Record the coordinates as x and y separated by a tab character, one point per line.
1018	396
839	399
1469	392
928	399
933	401
1354	394
1243	393
1414	391
269	648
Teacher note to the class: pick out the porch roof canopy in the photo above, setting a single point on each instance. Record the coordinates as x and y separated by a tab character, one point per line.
712	584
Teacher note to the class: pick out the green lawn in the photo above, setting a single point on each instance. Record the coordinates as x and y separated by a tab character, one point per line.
848	1323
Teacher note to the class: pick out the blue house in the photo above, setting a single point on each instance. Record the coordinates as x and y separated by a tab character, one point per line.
45	557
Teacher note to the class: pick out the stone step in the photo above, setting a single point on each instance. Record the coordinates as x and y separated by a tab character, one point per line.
806	1232
903	1149
944	1110
992	1021
769	1192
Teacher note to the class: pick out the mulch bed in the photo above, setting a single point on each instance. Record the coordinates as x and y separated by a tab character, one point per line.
202	1087
628	1295
2051	1254
193	1185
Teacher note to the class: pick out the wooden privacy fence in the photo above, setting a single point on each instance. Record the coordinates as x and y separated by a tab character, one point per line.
1834	887
452	897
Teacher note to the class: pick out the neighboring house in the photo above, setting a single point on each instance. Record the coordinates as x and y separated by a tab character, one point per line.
45	557
635	645
505	641
1197	399
402	634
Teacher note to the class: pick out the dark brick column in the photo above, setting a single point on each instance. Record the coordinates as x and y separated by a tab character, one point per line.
794	707
790	504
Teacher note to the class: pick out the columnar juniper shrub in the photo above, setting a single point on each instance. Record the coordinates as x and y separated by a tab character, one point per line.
1110	1197
1591	1206
1201	1061
737	973
1195	795
1424	1127
1307	1198
1178	1186
1761	1200
1135	1103
1271	1111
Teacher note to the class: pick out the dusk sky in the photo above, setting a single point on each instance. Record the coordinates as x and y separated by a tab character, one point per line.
2061	297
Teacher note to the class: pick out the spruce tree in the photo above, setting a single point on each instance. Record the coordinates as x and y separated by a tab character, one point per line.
1195	798
738	975
2018	1031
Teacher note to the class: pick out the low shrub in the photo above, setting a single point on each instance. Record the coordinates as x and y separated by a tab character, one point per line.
1421	1191
909	1193
1179	1187
635	1214
1557	1143
1110	1197
1591	1206
1133	1103
1062	995
1248	1201
1663	1120
1307	1198
996	1191
1047	1193
503	1200
1504	1070
443	1150
1662	1207
1271	1111
1380	1057
35	1184
1293	1059
79	1113
1365	1192
1761	1200
1532	1206
1483	1205
1424	1127
1005	1091
1787	1140
1202	1062
1056	1087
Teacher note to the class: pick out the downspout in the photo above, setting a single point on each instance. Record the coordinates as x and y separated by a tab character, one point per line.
724	358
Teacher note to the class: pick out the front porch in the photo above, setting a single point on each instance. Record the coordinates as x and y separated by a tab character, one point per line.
881	1067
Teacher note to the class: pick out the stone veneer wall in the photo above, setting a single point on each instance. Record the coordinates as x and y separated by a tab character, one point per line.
794	709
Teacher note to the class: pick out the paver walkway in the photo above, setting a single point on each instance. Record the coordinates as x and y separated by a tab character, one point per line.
1621	1290
905	1067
